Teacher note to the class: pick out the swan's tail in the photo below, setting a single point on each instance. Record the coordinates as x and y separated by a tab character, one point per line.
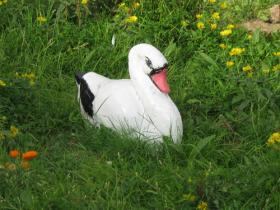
85	95
78	77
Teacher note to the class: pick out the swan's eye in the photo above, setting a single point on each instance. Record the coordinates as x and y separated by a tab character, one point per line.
149	63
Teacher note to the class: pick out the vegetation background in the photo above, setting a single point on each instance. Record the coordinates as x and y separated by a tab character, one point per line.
229	112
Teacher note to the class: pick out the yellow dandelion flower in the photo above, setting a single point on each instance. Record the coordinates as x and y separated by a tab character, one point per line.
249	36
214	26
247	68
223	46
202	205
84	2
216	16
276	54
131	19
14	131
212	1
2	83
226	32
136	5
275	137
224	5
3	2
200	25
41	19
270	142
276	68
30	76
121	5
230	26
184	23
236	51
229	64
199	16
189	197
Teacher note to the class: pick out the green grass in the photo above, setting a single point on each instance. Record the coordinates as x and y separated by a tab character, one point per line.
227	116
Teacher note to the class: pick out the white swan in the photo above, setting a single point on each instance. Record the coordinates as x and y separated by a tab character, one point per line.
139	105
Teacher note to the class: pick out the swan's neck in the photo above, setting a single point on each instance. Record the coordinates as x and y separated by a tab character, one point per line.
161	110
151	97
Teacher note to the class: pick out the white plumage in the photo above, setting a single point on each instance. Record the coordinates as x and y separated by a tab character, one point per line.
140	105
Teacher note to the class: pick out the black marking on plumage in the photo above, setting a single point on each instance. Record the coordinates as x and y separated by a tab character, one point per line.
149	62
86	97
78	77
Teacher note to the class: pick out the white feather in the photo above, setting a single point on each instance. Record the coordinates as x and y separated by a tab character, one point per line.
113	40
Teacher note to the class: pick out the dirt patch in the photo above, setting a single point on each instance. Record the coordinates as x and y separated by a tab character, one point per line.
270	26
263	26
275	14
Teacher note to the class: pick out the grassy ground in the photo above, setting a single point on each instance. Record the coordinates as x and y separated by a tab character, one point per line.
228	113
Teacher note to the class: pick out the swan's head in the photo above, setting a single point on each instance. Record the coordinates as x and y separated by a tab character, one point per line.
152	63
